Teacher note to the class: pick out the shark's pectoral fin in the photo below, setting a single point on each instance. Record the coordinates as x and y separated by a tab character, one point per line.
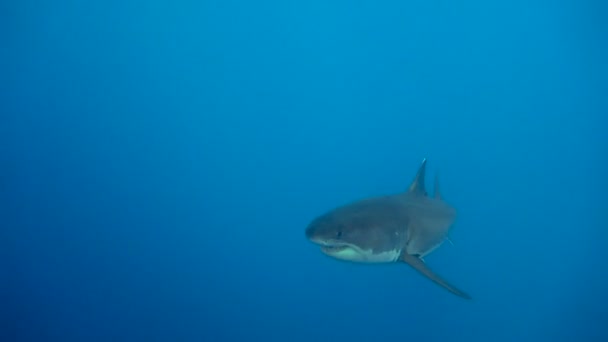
421	267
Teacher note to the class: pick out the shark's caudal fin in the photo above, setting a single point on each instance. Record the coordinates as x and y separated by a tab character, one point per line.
421	267
417	187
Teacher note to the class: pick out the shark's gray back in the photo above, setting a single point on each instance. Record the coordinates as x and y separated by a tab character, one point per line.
430	221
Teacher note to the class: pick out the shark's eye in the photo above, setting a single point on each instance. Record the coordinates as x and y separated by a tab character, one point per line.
339	234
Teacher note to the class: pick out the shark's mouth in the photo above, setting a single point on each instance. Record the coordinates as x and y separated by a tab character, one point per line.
333	248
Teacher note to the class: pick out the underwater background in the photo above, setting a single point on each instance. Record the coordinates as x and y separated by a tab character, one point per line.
160	161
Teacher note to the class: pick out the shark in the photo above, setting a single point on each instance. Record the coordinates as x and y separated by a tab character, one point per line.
401	227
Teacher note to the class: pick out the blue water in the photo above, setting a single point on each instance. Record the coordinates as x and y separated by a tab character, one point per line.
160	161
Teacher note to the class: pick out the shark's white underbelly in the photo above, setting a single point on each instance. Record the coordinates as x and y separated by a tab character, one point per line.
367	256
388	256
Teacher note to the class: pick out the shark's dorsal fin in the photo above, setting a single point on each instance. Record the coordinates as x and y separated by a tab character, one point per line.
437	194
417	186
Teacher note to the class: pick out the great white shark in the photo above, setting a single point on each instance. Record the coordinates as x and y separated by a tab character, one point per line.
402	227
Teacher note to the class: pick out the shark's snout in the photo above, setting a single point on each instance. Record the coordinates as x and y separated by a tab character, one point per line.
318	234
316	230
